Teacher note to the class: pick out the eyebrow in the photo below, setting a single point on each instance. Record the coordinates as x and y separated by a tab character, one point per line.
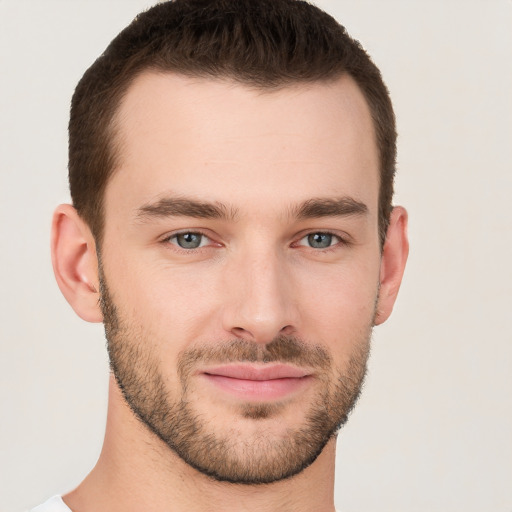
183	207
329	207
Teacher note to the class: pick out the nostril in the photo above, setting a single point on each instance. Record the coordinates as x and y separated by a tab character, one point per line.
260	335
287	330
240	332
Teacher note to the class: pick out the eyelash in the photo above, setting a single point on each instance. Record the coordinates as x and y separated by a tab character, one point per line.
168	240
341	241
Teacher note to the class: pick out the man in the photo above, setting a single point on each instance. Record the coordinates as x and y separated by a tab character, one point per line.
231	166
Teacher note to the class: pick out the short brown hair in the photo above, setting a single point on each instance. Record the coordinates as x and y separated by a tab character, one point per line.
262	43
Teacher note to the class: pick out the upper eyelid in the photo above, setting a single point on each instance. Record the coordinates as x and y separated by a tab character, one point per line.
196	231
340	239
342	235
166	241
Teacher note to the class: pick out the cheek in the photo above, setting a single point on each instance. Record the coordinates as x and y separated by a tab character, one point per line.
178	305
340	312
170	302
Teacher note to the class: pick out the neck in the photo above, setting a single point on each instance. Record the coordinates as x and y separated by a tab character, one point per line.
137	471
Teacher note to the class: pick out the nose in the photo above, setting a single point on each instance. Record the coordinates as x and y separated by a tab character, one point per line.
260	301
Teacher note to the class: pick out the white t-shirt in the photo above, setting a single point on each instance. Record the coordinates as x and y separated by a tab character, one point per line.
54	504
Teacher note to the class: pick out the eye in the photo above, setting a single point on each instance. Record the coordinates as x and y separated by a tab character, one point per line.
189	240
320	240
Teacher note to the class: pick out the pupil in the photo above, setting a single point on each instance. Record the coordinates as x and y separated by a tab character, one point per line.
320	240
189	240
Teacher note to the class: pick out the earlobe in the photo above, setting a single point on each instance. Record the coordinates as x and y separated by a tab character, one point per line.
394	258
75	262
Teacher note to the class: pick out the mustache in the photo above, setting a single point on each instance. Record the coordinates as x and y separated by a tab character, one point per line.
282	349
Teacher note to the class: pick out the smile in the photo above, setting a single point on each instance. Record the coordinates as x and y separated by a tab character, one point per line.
257	383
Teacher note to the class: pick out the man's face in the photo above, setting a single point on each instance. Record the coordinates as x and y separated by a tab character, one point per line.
240	267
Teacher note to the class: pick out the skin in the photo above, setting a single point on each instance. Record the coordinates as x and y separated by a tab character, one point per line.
262	155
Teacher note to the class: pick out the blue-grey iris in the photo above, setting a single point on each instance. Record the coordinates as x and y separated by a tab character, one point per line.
189	240
320	240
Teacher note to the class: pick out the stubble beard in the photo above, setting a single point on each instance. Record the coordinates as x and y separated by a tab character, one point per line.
231	456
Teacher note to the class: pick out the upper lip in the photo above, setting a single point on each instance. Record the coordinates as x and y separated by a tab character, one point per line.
257	372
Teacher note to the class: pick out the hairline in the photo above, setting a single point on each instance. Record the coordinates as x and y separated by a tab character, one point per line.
114	144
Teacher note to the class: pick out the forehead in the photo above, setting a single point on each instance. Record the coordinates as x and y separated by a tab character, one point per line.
217	139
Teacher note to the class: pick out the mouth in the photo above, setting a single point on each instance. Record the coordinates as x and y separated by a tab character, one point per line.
258	383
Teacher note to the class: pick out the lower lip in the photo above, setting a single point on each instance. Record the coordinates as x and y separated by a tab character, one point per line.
258	390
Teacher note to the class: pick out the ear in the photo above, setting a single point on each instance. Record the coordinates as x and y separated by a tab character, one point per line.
394	257
75	263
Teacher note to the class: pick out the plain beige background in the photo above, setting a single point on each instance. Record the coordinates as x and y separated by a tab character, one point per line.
433	431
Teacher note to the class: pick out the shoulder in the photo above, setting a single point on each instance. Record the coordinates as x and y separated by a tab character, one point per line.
54	504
